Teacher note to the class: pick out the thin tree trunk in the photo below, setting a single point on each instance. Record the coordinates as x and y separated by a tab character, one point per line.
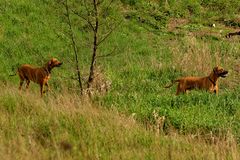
95	45
74	48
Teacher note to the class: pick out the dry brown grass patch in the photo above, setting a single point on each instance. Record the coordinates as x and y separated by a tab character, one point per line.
176	22
196	58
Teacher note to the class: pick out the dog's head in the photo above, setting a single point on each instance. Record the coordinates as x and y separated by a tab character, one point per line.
220	72
54	63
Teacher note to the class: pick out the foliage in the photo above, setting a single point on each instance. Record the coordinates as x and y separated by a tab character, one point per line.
155	43
64	126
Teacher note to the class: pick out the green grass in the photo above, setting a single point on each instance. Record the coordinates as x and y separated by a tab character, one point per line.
65	126
155	43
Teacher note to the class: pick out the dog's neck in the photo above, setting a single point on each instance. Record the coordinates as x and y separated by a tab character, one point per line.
213	82
213	78
47	68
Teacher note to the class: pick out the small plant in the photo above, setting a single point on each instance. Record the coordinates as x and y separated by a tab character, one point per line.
130	2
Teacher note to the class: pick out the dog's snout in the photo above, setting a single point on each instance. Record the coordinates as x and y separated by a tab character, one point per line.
225	72
59	64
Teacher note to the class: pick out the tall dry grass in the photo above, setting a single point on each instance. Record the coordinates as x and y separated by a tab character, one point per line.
66	126
194	57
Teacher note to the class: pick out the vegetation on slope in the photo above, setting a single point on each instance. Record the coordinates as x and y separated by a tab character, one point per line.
156	42
64	126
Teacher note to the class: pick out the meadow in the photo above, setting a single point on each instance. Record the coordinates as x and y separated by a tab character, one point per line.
156	42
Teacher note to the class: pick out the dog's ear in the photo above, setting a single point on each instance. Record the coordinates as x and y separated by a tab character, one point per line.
50	62
215	69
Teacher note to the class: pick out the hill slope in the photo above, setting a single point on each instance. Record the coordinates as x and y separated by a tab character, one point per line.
155	43
63	126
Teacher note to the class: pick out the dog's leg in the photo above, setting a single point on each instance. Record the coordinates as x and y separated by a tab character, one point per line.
180	89
27	85
48	88
20	85
216	90
41	89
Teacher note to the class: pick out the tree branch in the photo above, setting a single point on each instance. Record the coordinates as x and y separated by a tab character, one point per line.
107	55
95	42
88	12
74	44
108	34
84	18
109	5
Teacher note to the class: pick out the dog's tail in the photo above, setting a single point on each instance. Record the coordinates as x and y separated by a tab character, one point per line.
15	72
173	82
12	74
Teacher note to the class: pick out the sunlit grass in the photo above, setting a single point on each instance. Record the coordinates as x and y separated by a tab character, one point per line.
147	55
65	126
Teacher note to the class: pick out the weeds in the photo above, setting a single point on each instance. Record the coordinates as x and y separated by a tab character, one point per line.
156	43
66	127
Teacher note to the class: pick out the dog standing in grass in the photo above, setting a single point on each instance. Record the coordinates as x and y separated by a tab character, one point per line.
208	83
39	75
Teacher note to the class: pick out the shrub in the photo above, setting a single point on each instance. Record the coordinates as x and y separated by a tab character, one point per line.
129	2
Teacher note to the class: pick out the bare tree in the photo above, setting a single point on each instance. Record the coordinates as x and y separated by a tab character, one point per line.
73	45
94	10
91	18
95	43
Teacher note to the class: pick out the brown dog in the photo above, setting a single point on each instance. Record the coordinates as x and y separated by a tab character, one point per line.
208	83
39	75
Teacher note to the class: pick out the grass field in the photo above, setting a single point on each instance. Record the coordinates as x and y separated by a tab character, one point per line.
64	126
156	42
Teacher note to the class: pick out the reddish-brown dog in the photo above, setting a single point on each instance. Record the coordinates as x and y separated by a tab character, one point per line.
39	75
208	83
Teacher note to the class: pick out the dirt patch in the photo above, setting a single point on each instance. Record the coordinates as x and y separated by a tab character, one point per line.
176	22
207	34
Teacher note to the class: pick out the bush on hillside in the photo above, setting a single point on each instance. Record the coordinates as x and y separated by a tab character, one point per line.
129	2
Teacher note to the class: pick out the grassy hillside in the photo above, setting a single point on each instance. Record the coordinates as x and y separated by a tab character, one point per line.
64	126
156	42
